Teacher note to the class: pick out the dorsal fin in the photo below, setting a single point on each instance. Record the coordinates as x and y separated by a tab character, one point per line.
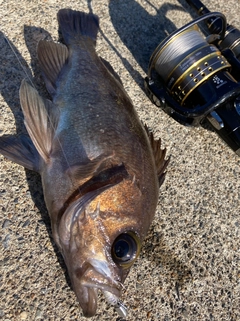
40	118
52	57
159	156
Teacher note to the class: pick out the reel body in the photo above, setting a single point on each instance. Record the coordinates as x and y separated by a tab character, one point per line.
196	79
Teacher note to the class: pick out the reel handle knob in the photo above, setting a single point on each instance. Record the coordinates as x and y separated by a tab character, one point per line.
214	24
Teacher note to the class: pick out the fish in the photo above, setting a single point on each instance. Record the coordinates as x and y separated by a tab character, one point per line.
100	167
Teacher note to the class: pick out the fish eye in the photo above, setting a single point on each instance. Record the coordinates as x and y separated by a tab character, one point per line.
125	249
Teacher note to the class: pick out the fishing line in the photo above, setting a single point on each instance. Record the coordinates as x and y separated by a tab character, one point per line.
172	54
24	70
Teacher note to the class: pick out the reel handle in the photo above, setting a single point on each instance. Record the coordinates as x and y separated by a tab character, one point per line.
198	6
231	39
214	24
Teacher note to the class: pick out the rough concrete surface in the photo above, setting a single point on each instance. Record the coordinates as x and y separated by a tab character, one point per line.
189	267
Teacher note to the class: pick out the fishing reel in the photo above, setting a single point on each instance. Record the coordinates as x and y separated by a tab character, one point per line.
195	77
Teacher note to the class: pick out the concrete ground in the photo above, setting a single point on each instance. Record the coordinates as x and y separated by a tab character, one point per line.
189	267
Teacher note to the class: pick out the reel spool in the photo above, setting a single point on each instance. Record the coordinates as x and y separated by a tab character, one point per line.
186	61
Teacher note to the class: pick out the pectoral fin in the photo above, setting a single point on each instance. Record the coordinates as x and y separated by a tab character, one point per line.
87	169
40	118
21	151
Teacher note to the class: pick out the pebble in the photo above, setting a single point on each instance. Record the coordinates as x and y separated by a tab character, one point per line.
38	314
26	223
23	315
6	223
6	241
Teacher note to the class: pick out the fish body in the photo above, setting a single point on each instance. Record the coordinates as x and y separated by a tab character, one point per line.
100	168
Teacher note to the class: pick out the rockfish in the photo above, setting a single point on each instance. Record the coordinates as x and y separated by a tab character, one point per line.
100	168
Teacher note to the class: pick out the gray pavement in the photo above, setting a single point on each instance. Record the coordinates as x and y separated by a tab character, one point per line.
189	267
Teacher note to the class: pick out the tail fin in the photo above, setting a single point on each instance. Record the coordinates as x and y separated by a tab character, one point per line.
75	24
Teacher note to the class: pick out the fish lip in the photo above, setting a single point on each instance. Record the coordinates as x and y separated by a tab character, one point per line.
89	308
94	279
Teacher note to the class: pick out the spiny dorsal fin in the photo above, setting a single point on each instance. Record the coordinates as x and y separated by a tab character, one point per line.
159	156
52	57
40	118
75	24
20	150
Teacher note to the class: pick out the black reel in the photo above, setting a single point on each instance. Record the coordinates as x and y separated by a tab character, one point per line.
196	79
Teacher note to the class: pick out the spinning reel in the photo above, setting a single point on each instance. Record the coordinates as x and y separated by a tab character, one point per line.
196	78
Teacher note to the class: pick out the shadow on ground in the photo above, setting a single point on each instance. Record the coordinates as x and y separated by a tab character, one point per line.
146	30
13	69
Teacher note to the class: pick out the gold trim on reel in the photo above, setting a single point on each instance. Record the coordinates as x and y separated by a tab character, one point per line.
185	61
195	75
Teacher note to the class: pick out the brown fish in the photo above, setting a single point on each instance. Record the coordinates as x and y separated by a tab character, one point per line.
100	168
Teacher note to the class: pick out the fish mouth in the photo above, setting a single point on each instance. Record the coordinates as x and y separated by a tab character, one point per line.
93	280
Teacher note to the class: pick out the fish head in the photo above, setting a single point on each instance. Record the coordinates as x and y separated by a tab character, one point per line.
101	239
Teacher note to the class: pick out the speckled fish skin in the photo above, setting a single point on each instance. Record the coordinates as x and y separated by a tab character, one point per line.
100	168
